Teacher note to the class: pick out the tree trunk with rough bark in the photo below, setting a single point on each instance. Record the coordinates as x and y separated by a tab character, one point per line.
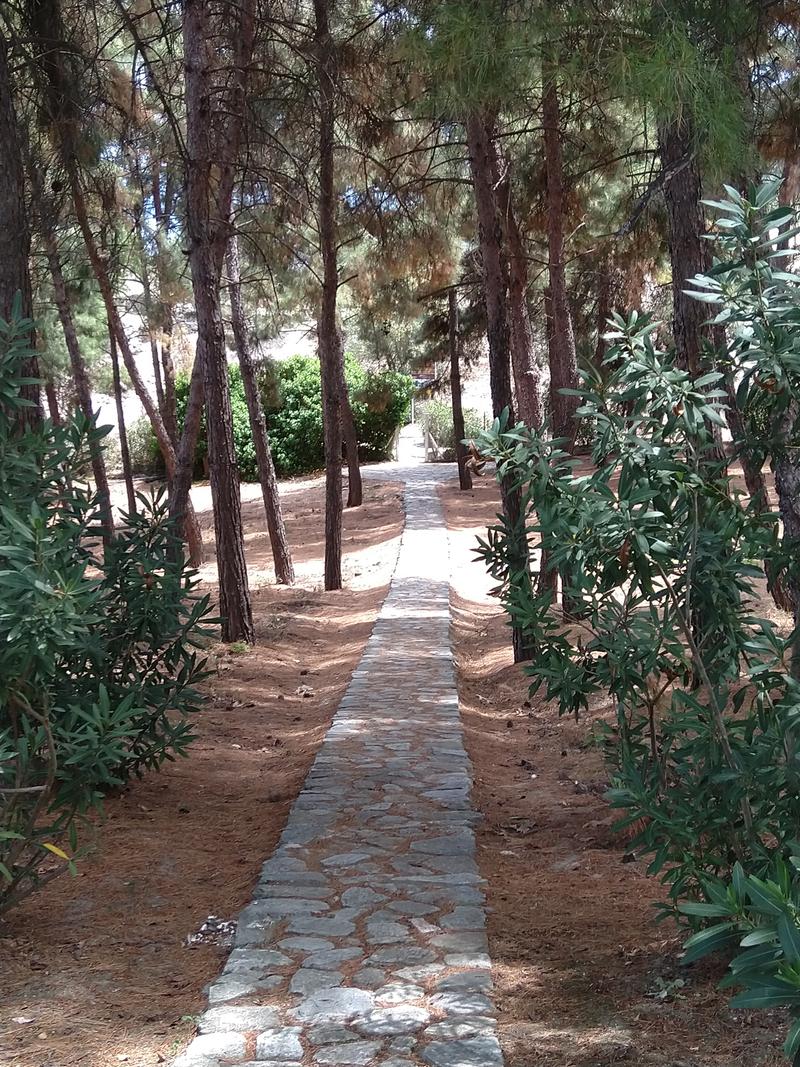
689	253
527	378
563	360
281	555
355	490
234	593
52	403
125	455
786	467
495	288
80	375
329	338
217	58
495	281
14	233
454	345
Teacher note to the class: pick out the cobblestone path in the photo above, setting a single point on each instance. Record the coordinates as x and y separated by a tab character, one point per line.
365	941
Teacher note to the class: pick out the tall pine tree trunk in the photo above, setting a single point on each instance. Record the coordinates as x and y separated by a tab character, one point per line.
329	338
80	375
282	557
52	402
523	358
217	58
234	593
355	490
14	233
459	432
495	282
563	361
688	251
495	288
125	455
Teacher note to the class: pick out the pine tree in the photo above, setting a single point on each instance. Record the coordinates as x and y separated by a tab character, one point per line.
281	555
454	347
15	280
218	47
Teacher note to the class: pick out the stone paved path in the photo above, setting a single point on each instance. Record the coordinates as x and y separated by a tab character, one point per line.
365	942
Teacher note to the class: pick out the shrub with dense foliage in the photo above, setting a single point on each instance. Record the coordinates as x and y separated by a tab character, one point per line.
292	397
146	458
661	563
436	416
292	394
98	650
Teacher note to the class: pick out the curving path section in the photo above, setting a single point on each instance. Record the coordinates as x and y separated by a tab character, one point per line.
365	943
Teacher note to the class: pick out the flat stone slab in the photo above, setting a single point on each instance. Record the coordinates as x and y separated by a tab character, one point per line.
365	943
471	1052
280	1044
334	1005
356	1053
392	1021
236	1020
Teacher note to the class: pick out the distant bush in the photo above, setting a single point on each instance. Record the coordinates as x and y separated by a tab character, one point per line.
292	396
436	417
98	661
291	393
381	403
146	458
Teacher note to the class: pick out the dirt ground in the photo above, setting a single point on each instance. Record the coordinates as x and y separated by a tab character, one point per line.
95	971
584	977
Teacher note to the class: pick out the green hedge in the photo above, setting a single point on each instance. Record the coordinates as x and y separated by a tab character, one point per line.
292	396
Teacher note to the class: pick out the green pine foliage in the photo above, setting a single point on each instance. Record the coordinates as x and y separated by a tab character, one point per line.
99	660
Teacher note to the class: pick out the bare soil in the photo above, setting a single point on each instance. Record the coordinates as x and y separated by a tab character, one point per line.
95	971
584	976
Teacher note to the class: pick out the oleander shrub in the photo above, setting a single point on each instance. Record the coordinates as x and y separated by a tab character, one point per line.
99	653
662	564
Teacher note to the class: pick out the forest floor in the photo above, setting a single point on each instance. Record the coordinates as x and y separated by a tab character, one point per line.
97	971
